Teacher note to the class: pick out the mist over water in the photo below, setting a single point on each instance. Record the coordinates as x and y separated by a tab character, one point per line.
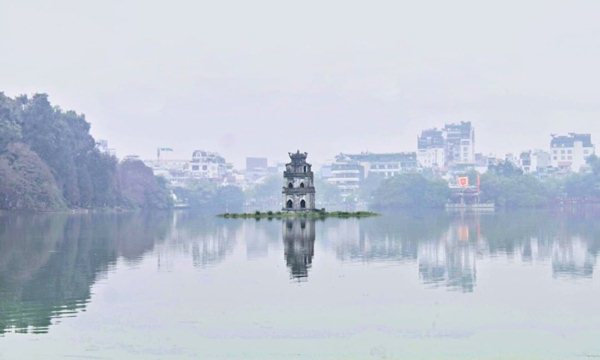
184	284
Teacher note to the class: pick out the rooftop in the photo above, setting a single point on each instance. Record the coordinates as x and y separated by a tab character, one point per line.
570	139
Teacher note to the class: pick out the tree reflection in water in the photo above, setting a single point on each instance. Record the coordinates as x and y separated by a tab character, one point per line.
49	262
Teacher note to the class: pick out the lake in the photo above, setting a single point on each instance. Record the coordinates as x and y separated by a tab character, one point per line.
425	285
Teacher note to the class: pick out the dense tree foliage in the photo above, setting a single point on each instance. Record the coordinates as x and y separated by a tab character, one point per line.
585	186
265	195
49	160
411	191
25	181
515	191
140	188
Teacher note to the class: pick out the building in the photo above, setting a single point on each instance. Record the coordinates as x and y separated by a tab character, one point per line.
534	161
348	171
385	165
346	174
208	165
431	149
298	187
569	152
452	146
204	165
460	143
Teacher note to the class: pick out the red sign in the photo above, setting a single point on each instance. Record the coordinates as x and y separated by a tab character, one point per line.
463	181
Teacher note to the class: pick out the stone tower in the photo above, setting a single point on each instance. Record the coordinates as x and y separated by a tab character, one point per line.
298	186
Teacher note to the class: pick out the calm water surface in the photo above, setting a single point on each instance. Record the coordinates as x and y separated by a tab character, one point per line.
518	285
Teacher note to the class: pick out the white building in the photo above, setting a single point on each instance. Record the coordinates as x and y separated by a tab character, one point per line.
203	165
350	170
569	152
346	174
208	165
534	161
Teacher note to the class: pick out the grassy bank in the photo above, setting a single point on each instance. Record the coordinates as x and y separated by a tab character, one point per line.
316	214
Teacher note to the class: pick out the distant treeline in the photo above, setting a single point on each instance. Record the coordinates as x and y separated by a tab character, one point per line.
503	184
49	161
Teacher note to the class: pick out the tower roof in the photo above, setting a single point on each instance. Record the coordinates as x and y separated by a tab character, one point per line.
298	157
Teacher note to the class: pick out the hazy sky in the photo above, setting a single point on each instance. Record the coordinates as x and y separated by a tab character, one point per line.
260	78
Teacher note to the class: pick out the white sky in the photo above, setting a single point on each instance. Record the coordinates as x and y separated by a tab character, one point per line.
261	78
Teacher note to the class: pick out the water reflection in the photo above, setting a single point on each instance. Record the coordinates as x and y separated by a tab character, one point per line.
299	246
206	238
49	262
447	247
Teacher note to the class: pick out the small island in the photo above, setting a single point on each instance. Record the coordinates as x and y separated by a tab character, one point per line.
312	214
298	196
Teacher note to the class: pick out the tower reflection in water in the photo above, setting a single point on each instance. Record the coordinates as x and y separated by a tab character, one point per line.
299	246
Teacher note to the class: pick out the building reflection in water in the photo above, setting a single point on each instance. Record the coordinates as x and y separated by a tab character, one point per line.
299	246
49	262
450	261
446	247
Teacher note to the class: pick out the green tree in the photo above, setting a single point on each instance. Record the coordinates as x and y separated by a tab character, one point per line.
411	191
26	182
140	188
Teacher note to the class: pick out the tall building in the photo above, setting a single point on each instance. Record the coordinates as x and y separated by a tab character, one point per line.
569	152
460	143
453	145
298	188
431	149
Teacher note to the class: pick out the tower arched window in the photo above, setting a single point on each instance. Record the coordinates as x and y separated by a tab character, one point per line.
304	168
301	185
290	185
302	204
289	204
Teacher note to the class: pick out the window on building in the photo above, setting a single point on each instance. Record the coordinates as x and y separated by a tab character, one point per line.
290	186
195	167
204	167
289	204
302	204
301	185
569	151
304	168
